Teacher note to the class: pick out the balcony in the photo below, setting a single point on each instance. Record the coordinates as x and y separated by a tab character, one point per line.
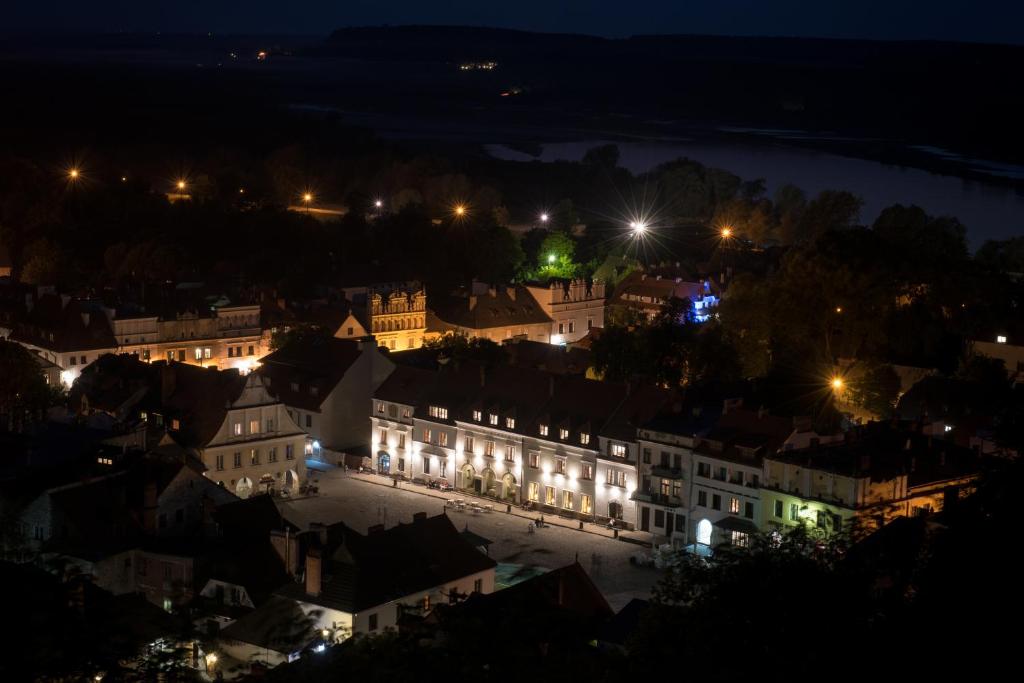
656	499
667	472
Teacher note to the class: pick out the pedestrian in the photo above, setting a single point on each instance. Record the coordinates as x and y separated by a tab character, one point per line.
394	483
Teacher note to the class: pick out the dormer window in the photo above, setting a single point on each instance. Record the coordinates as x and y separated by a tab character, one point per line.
380	406
618	450
510	423
543	430
584	438
438	412
477	415
494	418
563	433
176	424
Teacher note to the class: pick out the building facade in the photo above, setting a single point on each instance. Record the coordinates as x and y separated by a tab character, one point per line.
574	306
397	315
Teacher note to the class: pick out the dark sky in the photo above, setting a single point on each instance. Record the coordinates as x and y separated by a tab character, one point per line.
970	20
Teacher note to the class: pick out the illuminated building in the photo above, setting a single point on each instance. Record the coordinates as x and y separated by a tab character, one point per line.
514	434
856	486
574	306
491	312
649	293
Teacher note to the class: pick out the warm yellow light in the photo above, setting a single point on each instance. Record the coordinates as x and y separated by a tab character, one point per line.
460	210
839	309
837	383
181	184
124	179
307	197
73	174
726	232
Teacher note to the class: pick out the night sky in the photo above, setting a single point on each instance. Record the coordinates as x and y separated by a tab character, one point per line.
968	20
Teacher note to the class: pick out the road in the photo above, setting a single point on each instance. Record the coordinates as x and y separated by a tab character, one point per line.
361	503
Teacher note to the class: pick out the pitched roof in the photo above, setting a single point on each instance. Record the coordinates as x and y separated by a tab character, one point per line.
306	370
494	309
63	324
361	572
404	385
567	588
279	625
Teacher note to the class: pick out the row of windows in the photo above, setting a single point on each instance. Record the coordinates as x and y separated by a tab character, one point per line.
253	456
568	500
254	427
822	518
734	504
722	473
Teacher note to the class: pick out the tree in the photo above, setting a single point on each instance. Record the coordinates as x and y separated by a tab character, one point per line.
555	258
830	210
877	390
459	347
603	156
24	392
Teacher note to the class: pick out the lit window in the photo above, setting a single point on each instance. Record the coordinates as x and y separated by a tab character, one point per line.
560	465
1001	339
510	423
619	450
175	423
586	506
567	500
494	418
442	439
380	407
237	428
489	449
588	471
401	440
427	435
734	505
469	444
510	454
584	438
254	426
534	492
534	460
563	433
549	495
477	415
439	412
383	437
543	430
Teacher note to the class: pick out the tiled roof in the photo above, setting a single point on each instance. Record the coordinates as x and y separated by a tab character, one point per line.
313	364
489	310
74	326
361	572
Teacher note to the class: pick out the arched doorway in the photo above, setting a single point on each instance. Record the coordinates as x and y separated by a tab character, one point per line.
704	532
267	482
487	485
469	480
508	486
383	462
291	481
243	489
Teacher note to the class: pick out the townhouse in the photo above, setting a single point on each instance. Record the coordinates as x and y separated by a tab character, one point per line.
574	306
563	443
490	312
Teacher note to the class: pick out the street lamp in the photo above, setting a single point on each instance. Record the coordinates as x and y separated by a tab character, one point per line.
544	218
837	383
181	185
551	258
726	232
638	227
378	204
460	210
73	174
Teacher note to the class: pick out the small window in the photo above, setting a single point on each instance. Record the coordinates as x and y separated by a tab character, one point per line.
477	415
372	622
618	450
587	471
778	509
563	433
543	430
493	418
584	438
442	439
510	423
559	465
534	459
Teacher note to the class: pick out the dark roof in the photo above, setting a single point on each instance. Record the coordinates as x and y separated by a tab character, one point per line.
279	625
250	563
737	524
746	436
881	452
567	588
66	324
531	397
621	627
405	385
251	518
313	364
562	360
494	309
361	572
475	540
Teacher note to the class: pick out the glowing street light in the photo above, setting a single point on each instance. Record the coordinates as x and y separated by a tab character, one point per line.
726	232
839	309
73	174
459	210
837	383
544	218
638	227
378	204
181	185
307	197
551	258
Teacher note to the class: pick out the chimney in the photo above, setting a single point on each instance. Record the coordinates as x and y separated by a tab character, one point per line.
419	516
287	548
375	529
313	572
320	530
